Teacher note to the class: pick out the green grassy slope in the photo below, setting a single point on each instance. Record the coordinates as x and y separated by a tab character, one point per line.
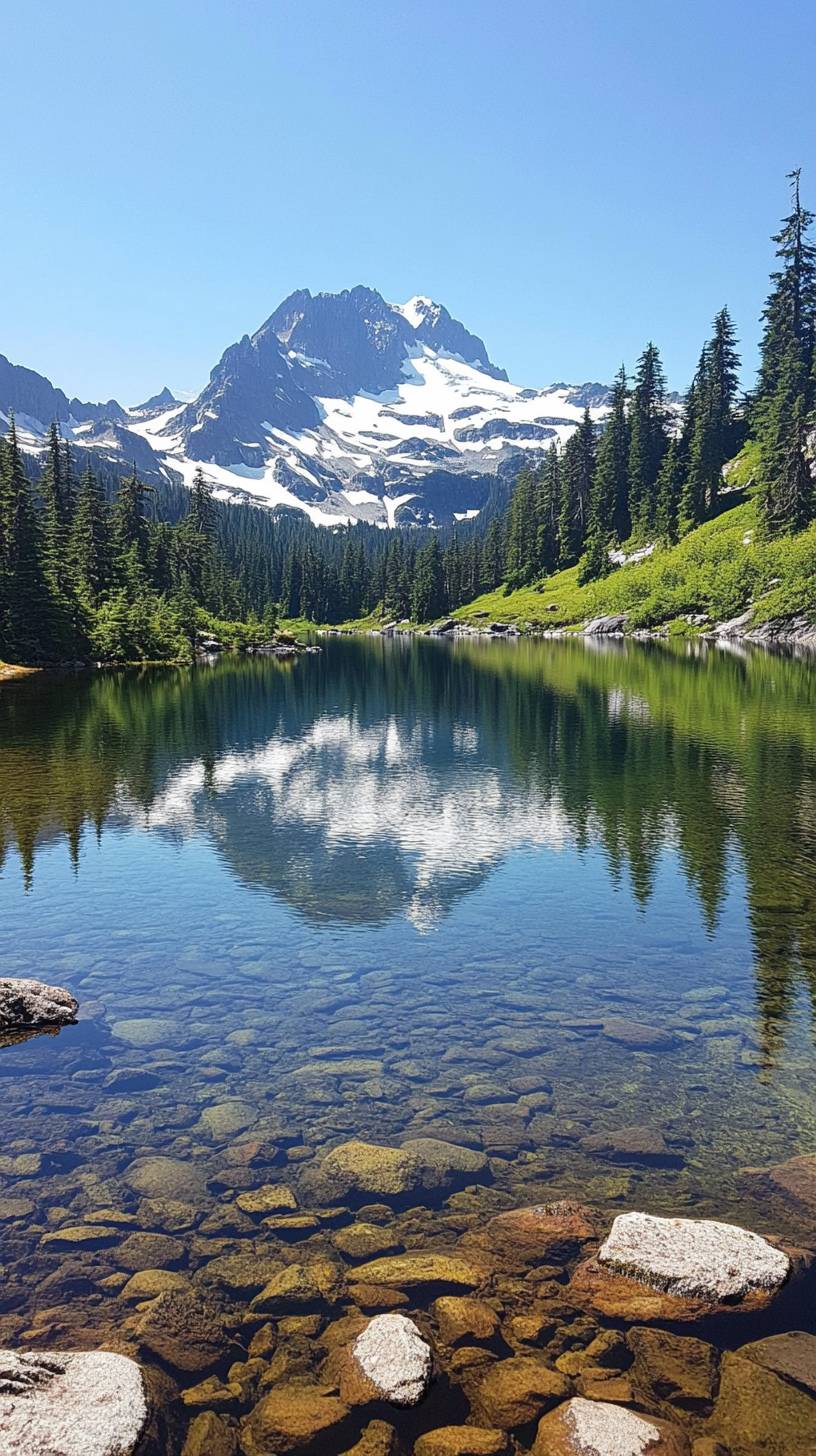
720	569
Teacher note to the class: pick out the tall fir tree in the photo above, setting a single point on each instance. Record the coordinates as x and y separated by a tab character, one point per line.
609	518
785	398
577	471
648	438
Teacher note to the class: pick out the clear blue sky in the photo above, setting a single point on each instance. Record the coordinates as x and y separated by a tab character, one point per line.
569	179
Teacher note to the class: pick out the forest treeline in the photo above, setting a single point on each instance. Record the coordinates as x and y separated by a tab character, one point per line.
88	571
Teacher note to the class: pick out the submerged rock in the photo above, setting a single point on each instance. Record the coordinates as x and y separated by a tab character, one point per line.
634	1145
678	1369
794	1180
394	1359
414	1271
164	1178
75	1405
792	1355
210	1435
462	1441
461	1318
597	1428
359	1171
760	1414
516	1391
545	1233
183	1331
26	1003
293	1418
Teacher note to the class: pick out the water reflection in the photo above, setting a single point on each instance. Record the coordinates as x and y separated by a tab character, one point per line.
382	780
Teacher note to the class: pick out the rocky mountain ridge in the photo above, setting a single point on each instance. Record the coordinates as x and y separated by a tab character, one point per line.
341	405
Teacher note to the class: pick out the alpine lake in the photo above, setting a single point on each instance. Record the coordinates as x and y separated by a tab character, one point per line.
543	911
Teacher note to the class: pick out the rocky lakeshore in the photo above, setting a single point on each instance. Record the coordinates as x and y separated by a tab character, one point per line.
328	1321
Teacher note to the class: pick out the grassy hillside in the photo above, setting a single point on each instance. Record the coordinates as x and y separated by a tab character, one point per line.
720	569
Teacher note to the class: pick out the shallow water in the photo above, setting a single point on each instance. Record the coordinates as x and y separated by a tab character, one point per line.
407	888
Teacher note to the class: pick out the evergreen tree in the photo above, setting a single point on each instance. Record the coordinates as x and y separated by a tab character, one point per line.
577	470
29	629
548	507
609	502
669	488
89	555
785	399
428	595
493	555
648	438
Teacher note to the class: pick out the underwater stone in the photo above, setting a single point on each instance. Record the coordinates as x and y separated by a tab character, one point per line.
209	1435
182	1330
367	1170
270	1198
90	1404
292	1418
163	1178
516	1391
461	1318
759	1414
414	1271
462	1441
28	1003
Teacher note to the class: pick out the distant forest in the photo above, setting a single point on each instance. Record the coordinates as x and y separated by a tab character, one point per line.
94	569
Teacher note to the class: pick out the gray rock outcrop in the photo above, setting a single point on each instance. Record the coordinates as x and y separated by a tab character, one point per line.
27	1003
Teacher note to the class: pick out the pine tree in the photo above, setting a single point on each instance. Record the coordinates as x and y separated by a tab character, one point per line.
28	626
493	556
648	438
202	511
522	532
609	503
428	595
669	488
577	470
548	506
89	556
785	397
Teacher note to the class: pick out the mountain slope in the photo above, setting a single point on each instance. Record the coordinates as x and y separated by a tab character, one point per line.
340	405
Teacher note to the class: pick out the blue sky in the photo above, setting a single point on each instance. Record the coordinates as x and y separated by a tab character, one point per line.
570	180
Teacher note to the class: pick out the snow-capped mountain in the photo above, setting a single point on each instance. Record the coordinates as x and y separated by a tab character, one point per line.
341	405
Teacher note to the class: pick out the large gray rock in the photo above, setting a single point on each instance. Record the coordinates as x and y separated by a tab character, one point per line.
71	1405
25	1003
693	1257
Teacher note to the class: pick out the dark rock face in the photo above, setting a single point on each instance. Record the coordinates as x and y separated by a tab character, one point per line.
439	331
29	393
510	429
251	384
356	340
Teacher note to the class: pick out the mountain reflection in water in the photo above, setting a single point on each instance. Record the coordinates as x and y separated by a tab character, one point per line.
390	779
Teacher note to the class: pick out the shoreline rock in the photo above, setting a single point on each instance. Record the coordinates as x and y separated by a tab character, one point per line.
32	1005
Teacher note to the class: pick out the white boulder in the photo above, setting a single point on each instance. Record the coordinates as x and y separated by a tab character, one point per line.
91	1404
696	1258
582	1427
393	1355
